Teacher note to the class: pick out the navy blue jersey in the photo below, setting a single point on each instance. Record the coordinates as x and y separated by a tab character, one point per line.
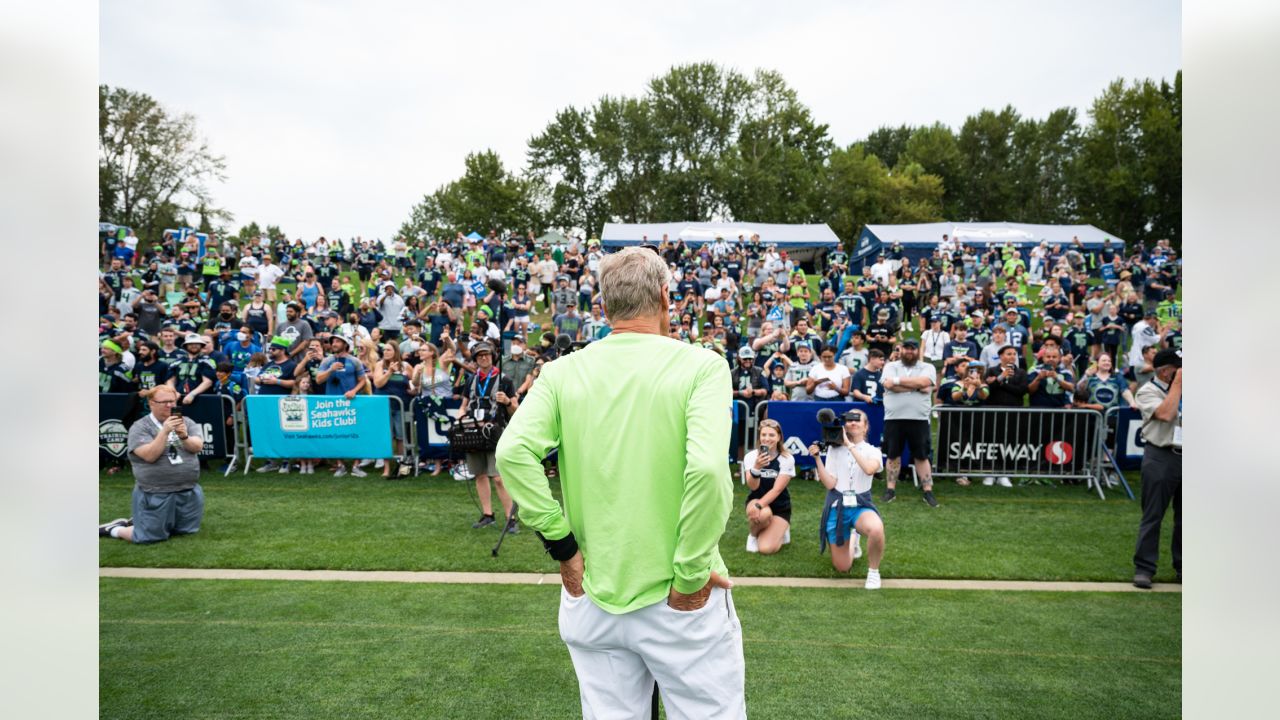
959	348
113	377
149	376
191	372
282	371
1050	393
867	382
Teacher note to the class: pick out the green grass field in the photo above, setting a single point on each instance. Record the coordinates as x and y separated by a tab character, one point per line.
248	649
273	521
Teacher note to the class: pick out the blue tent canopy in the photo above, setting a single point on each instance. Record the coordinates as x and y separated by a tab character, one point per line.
920	240
473	235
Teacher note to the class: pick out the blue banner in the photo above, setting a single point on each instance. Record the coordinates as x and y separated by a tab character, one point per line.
867	246
1128	439
320	426
800	424
434	422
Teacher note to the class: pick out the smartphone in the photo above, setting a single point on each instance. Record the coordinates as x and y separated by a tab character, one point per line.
176	412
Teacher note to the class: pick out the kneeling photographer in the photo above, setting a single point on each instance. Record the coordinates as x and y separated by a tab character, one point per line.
488	398
850	464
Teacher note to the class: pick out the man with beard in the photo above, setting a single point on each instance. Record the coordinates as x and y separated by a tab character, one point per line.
294	329
194	373
908	392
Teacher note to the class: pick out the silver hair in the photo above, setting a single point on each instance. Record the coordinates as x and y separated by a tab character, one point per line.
633	282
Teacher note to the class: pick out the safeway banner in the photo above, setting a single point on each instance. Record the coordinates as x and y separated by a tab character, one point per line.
1017	443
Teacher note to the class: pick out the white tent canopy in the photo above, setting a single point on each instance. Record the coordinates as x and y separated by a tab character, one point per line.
694	234
982	233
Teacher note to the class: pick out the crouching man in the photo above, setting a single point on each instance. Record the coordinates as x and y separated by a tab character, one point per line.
164	449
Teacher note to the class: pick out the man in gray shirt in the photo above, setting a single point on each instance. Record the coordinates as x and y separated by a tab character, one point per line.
908	391
164	450
294	329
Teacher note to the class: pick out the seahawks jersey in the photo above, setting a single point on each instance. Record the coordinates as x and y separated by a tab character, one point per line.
1106	393
190	373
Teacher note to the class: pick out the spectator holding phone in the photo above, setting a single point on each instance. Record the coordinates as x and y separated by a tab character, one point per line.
767	471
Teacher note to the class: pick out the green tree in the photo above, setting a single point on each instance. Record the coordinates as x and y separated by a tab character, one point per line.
888	143
935	148
987	191
1127	176
860	190
485	198
153	167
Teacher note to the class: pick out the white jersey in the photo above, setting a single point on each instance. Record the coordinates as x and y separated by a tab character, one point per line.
837	375
849	475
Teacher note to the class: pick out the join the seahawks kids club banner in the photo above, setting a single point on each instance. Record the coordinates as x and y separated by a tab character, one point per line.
319	426
117	412
994	442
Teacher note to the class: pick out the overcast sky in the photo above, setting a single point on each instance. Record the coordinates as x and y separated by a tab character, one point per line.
336	117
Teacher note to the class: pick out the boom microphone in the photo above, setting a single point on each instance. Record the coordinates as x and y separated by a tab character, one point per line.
826	416
497	286
564	342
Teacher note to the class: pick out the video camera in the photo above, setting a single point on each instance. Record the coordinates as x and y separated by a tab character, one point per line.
832	429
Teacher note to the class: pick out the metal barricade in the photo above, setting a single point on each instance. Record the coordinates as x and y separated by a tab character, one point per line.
1052	443
1110	451
237	442
740	442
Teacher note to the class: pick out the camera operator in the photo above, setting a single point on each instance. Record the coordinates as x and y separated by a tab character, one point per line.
766	471
848	506
488	397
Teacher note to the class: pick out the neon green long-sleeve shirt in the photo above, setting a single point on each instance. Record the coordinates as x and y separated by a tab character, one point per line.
642	422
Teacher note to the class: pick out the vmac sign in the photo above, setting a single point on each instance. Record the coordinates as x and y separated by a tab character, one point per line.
1016	443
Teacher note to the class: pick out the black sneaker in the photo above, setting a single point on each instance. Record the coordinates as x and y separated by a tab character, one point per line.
513	527
888	495
104	530
484	522
929	499
1142	581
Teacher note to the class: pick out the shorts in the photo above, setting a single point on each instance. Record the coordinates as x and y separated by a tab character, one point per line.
914	434
157	516
851	515
522	321
782	512
485	463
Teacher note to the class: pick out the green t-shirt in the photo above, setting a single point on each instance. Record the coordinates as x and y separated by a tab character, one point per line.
642	422
210	265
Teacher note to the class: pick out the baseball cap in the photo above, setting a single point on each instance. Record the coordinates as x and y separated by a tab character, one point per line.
1167	357
482	347
767	296
746	352
910	342
804	344
281	342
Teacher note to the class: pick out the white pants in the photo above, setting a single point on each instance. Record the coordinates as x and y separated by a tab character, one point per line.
695	657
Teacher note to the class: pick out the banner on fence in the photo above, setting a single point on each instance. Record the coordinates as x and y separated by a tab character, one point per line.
320	426
1128	439
118	411
434	420
1021	443
800	424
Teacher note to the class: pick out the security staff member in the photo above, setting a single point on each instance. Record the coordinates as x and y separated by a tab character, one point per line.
1160	401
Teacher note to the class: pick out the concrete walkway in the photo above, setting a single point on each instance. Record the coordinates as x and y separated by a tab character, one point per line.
550	579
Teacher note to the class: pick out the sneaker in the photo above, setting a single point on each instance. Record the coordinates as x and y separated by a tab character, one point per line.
513	526
356	471
1005	482
1142	580
341	471
873	580
929	499
962	481
786	537
380	464
857	545
104	530
988	481
403	471
888	496
753	543
284	469
271	465
484	522
364	463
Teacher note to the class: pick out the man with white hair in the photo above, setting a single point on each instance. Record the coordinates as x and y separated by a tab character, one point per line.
642	422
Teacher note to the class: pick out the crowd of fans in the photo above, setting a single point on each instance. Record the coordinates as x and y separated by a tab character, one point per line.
1053	327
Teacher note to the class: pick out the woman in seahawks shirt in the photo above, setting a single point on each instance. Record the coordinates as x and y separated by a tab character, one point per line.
767	470
433	385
